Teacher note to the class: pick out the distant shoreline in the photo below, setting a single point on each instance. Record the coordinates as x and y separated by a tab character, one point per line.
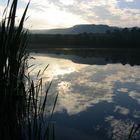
45	48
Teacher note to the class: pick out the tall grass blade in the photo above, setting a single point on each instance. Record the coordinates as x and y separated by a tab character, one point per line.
22	20
45	69
22	111
133	131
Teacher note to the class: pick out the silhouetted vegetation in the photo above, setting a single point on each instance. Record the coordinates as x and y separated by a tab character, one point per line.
21	107
12	69
125	38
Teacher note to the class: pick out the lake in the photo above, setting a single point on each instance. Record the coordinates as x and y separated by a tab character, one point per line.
99	97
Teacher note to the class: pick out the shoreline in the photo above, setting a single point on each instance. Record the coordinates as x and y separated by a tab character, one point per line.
58	49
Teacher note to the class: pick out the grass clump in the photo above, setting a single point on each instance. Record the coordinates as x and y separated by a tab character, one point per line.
21	110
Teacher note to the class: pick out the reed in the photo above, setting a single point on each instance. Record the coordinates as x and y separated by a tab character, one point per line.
21	109
135	128
34	125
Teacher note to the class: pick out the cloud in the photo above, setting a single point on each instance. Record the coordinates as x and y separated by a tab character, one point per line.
67	2
66	13
107	12
129	0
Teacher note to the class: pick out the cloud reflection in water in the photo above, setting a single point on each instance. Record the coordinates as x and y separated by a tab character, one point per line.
82	87
119	129
94	84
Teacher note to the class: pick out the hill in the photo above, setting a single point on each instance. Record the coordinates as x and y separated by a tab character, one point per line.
78	29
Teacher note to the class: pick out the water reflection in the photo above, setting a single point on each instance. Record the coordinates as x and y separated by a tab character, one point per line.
122	110
98	56
95	101
119	129
57	66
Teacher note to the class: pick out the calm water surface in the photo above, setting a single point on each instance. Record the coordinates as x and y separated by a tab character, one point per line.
98	101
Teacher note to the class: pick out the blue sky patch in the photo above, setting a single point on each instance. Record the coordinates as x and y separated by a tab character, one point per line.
132	5
21	4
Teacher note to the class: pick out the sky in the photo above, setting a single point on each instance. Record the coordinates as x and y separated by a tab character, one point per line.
46	14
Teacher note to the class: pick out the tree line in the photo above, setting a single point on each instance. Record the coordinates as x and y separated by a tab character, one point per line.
125	38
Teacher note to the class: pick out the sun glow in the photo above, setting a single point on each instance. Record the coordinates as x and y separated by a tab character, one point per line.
67	2
48	14
59	71
53	17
